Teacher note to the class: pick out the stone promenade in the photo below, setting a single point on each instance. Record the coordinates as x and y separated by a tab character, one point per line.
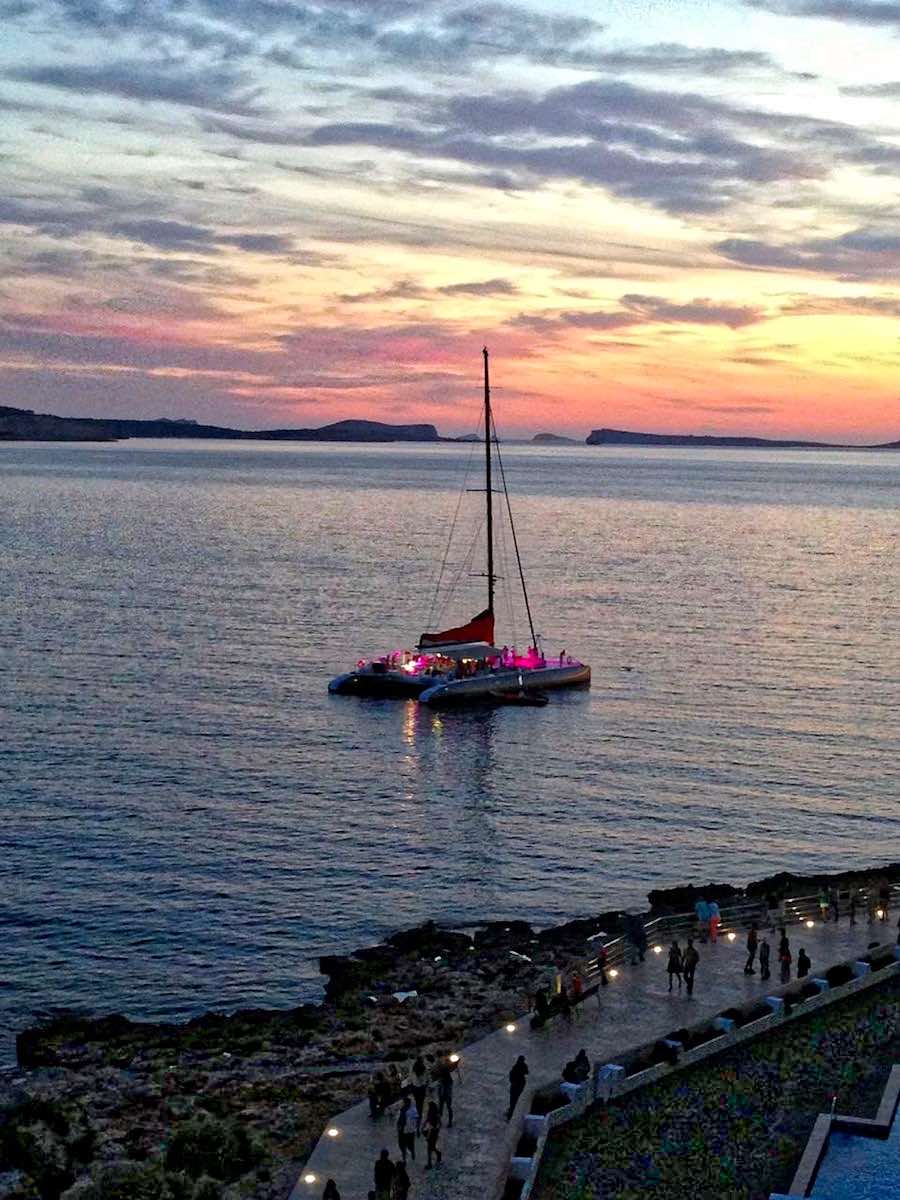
636	1008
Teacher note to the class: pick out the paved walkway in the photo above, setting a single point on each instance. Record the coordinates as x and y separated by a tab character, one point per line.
635	1008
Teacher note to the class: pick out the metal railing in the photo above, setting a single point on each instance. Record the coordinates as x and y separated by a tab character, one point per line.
735	919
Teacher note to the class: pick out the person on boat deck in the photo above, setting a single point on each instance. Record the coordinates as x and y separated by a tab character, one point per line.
562	657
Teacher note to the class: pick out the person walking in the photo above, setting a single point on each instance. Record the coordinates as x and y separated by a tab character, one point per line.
637	936
419	1088
517	1077
376	1096
384	1176
853	904
715	919
542	1002
577	988
823	904
689	964
401	1185
674	965
784	958
432	1131
765	951
884	900
752	947
602	964
803	964
834	904
331	1191
407	1124
701	908
445	1092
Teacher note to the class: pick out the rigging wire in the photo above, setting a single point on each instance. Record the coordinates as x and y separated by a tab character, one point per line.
449	542
505	558
464	567
515	540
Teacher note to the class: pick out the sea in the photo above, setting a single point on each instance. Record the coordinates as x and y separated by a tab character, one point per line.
189	819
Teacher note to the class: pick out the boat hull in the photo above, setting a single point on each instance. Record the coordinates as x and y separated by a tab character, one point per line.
445	694
391	685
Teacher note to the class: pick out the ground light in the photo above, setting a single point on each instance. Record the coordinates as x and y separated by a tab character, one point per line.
732	936
613	973
510	1028
310	1178
810	924
657	949
333	1132
454	1058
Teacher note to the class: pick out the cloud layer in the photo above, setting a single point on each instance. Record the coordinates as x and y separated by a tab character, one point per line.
278	206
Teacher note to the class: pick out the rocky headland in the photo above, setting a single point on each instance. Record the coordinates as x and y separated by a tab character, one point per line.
20	424
230	1106
627	437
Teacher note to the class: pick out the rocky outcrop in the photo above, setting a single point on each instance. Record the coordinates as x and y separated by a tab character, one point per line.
625	437
20	424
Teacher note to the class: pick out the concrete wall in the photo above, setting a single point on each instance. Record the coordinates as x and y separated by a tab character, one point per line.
602	1090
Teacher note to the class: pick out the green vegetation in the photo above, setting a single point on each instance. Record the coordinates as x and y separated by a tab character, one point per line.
733	1128
220	1149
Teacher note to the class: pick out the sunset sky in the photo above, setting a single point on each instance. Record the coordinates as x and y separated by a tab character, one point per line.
663	216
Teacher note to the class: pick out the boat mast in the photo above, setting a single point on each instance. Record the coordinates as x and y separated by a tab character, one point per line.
487	482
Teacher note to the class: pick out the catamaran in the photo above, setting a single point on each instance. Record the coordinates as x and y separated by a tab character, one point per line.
463	664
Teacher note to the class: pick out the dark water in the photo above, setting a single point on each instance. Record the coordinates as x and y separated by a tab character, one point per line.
189	820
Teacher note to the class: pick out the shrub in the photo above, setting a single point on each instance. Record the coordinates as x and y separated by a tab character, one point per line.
221	1149
134	1181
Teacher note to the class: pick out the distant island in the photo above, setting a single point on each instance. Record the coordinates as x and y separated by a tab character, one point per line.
625	437
553	439
24	425
21	424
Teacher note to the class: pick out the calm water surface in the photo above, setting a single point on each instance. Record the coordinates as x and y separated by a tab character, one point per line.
189	820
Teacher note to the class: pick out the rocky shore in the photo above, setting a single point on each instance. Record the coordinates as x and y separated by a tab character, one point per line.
223	1107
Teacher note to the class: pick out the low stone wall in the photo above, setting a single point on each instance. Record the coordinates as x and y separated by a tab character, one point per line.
608	1083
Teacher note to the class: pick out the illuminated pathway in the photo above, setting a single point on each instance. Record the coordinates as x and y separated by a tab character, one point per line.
634	1009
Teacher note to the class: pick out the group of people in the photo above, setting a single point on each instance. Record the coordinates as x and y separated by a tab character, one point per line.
682	965
418	1116
877	904
709	918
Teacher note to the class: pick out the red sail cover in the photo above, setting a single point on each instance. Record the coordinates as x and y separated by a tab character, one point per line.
479	629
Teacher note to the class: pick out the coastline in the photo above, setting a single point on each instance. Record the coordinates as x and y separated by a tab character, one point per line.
111	1090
